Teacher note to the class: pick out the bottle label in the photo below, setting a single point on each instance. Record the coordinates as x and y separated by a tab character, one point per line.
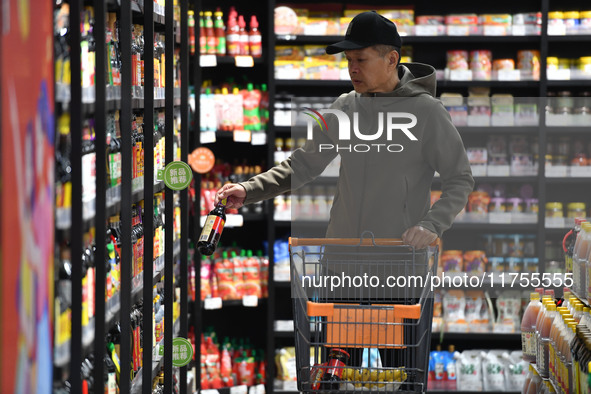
335	371
528	343
213	224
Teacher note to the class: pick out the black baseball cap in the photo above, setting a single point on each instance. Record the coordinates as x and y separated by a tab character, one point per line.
367	29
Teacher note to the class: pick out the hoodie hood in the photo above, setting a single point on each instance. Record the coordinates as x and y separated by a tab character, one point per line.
416	79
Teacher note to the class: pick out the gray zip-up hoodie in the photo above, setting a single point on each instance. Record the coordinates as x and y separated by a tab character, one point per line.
382	192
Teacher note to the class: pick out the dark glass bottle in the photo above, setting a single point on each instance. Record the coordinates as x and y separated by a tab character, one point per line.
212	229
337	360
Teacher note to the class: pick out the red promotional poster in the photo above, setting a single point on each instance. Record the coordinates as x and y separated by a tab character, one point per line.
27	189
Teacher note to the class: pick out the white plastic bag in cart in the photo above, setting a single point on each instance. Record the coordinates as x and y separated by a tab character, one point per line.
515	370
493	371
469	367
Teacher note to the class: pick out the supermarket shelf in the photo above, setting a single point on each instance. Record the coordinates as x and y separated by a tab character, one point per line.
329	39
234	303
337	83
572	83
570	38
470	392
227	60
284	334
568	180
493	84
477	336
583	300
498	179
284	284
568	130
557	231
464	130
488	130
494	227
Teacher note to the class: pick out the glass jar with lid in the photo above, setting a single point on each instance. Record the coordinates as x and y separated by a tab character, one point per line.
576	210
554	210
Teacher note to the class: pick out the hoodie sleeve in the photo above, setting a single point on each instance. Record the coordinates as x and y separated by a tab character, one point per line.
303	166
444	150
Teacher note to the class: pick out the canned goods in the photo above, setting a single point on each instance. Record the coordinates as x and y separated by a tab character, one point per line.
554	210
474	262
457	60
481	65
551	63
452	260
555	18
497	264
576	210
515	264
514	205
528	61
571	19
531	264
503	64
585	20
430	20
531	205
497	205
585	65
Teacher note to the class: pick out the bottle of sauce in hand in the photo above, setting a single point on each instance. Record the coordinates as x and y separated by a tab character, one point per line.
212	229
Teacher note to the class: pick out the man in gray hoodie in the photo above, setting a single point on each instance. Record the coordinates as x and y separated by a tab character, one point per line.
383	186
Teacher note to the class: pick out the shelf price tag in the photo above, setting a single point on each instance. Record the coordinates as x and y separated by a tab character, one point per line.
494	30
259	138
509	75
208	61
499	217
242	389
182	352
460	75
258	389
580	172
518	30
250	301
234	220
556	30
426	30
212	303
242	136
207	137
160	175
458	30
558	75
244	61
211	391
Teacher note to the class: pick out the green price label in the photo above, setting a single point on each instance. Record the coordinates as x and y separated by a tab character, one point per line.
182	352
177	175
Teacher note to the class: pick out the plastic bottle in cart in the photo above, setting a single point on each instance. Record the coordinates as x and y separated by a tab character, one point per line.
243	36
255	45
528	328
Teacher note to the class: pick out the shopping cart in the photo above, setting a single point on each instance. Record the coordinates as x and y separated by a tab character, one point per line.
369	335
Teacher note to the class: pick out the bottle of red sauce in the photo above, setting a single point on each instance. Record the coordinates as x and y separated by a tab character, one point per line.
254	38
243	45
233	34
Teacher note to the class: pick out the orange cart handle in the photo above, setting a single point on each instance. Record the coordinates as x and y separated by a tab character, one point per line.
327	310
350	241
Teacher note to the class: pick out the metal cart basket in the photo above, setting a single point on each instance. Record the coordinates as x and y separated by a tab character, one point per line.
362	314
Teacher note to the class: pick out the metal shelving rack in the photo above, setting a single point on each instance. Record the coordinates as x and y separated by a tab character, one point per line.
107	315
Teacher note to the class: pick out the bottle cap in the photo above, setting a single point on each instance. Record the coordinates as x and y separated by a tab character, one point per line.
253	22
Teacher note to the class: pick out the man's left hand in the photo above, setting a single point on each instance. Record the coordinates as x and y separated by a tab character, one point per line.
419	237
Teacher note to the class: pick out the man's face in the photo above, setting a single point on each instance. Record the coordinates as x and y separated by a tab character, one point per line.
370	72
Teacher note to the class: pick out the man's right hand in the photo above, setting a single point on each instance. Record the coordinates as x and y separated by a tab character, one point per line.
234	192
